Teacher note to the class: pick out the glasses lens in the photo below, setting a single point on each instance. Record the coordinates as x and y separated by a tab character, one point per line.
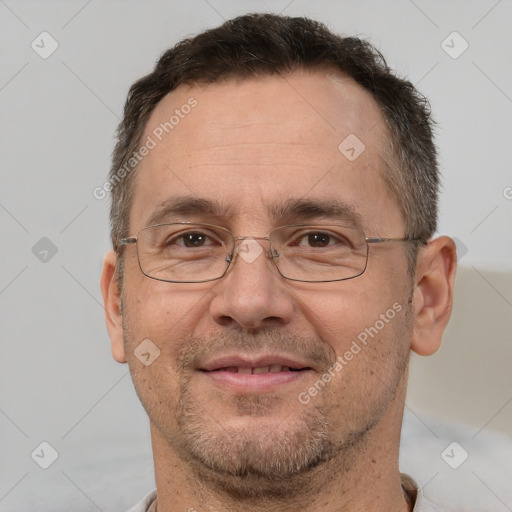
320	253
184	252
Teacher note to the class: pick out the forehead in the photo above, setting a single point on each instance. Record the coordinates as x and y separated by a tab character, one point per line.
251	144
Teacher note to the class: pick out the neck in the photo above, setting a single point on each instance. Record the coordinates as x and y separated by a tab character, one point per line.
362	477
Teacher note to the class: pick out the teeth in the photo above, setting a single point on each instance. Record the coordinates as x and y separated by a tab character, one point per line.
273	368
263	369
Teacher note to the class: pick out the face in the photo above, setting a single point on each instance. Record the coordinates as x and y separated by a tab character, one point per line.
258	375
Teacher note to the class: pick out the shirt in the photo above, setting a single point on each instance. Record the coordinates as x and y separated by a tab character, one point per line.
148	504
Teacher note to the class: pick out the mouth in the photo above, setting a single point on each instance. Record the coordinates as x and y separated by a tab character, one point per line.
245	374
252	370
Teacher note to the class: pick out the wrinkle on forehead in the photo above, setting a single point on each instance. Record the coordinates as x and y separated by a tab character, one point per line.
267	137
335	104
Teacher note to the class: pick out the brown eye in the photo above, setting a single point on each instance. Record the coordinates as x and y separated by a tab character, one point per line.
319	239
194	239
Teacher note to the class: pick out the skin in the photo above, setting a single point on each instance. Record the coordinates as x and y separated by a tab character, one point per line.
252	144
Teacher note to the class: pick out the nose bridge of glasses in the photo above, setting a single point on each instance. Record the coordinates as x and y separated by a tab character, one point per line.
237	238
249	248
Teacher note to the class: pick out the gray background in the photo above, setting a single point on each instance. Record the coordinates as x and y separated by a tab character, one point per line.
58	382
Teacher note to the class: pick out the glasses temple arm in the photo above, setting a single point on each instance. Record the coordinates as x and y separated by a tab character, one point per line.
377	240
126	241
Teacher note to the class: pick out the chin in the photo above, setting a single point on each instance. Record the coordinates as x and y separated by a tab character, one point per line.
261	455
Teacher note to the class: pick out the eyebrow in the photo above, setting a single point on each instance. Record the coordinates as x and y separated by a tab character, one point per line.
312	209
186	206
292	210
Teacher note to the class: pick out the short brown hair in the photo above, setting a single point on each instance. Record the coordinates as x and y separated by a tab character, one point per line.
268	44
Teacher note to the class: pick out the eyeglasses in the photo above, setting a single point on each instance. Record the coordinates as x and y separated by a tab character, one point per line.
195	253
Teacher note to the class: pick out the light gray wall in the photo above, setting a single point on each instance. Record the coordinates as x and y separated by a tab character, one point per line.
57	379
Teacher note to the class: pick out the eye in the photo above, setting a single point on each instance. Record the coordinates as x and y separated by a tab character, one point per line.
190	240
194	239
318	239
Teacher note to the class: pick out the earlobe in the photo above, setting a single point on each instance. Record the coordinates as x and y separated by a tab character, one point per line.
112	305
433	294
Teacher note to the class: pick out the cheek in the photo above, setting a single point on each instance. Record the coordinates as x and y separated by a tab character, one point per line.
163	313
158	390
374	348
346	310
365	324
150	324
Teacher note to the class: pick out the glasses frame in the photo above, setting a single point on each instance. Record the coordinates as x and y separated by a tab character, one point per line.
132	240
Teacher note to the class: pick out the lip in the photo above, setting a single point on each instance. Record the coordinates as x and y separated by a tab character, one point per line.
253	361
219	371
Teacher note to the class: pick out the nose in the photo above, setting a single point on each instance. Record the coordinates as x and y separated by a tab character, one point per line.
252	295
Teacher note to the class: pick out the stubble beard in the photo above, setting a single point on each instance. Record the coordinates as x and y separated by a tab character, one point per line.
275	460
271	462
290	456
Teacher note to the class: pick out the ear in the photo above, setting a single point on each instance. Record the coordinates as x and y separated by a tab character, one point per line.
433	294
112	305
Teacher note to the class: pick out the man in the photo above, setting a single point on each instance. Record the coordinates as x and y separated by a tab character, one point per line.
274	195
